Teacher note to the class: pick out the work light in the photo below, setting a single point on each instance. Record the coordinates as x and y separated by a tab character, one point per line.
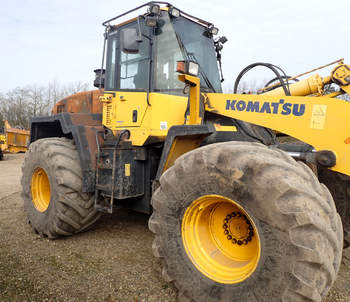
151	21
187	67
174	12
154	9
214	30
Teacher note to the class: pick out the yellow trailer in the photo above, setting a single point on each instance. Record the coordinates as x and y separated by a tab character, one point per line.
14	140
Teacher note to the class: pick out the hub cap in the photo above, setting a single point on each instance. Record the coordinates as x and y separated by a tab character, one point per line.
221	239
41	192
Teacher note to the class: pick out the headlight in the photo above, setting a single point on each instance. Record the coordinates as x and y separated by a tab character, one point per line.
193	68
187	67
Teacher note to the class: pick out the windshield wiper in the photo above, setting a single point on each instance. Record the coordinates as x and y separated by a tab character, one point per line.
191	56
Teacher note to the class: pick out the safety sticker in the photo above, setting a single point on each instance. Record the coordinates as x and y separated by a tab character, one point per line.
127	169
163	125
318	117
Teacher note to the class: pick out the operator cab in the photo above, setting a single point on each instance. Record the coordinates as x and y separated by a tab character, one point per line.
142	53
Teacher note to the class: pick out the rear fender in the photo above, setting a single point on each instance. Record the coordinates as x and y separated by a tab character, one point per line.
83	128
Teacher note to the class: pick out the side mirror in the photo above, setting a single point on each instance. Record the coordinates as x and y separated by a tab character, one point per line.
129	40
99	78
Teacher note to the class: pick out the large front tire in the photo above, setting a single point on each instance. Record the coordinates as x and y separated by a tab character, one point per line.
52	189
295	248
339	186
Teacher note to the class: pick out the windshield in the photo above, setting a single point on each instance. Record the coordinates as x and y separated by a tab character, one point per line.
181	39
199	48
168	52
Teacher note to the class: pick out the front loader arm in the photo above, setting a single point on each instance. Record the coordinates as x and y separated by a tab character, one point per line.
315	84
319	121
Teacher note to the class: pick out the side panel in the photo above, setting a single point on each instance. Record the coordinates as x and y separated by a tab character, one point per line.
84	129
126	109
163	112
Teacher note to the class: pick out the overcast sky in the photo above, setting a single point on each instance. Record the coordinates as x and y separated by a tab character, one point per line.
61	40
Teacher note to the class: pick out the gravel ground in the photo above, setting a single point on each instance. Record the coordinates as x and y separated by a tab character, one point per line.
111	262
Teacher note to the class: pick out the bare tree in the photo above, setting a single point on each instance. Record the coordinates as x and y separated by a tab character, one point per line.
20	104
74	87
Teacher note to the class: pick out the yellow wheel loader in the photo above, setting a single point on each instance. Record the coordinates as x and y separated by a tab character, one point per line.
2	142
13	140
237	216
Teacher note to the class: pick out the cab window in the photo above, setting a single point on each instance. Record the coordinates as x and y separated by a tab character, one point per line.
125	71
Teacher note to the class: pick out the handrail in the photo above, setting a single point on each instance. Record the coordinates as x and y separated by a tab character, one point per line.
106	23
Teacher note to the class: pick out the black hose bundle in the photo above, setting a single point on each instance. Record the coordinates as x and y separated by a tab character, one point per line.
275	69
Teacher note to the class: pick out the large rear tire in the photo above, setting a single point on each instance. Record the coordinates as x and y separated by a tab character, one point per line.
291	235
52	189
339	186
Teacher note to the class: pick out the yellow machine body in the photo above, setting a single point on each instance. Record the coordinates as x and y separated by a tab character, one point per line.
2	139
320	121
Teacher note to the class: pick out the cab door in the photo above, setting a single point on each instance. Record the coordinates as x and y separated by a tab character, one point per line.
127	78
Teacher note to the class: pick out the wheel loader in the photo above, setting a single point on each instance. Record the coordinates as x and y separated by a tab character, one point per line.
2	142
237	215
13	140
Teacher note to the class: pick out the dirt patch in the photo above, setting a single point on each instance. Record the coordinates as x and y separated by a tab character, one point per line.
111	262
10	174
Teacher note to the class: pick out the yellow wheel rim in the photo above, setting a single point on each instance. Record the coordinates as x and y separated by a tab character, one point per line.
41	192
221	239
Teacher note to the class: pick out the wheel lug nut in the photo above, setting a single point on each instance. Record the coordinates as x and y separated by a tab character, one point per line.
229	237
